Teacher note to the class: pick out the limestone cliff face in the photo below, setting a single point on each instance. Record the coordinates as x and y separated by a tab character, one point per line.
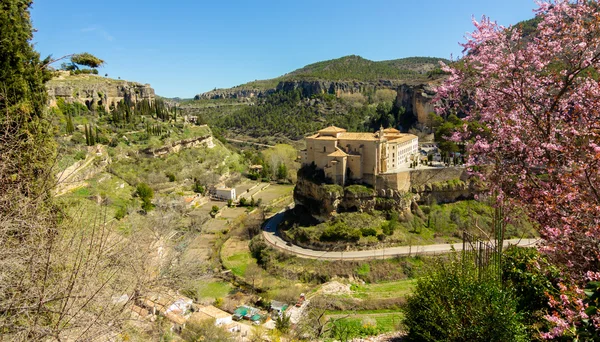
309	88
96	91
323	201
233	93
415	98
398	192
445	185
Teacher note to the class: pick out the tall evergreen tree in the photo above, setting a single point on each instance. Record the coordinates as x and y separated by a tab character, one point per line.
27	156
70	127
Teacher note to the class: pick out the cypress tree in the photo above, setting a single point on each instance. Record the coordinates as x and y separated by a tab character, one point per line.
87	136
70	127
29	153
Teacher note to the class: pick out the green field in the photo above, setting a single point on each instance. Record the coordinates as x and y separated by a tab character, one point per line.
392	289
216	289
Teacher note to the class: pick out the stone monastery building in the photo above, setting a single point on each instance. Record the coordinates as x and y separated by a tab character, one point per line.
359	156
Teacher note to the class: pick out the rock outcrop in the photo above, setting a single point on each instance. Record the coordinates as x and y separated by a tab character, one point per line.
234	93
415	98
323	200
444	185
96	91
178	146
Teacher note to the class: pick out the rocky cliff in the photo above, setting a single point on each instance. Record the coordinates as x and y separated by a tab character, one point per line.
96	91
394	192
416	98
324	200
234	93
444	185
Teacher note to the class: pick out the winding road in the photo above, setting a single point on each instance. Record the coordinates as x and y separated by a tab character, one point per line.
270	234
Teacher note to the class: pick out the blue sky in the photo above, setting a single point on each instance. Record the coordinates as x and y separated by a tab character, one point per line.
185	47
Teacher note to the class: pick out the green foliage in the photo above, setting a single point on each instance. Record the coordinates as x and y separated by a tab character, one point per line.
368	231
347	329
339	231
533	279
28	154
214	210
454	302
445	129
588	330
360	69
87	59
358	189
283	323
282	171
121	212
363	271
205	331
145	193
198	187
70	128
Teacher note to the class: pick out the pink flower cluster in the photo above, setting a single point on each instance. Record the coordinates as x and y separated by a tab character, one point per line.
536	104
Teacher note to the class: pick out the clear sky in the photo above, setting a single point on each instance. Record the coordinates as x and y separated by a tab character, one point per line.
185	47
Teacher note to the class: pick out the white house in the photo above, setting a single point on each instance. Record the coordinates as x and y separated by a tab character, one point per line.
225	193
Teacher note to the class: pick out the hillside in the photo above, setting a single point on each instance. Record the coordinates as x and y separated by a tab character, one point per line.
96	91
353	70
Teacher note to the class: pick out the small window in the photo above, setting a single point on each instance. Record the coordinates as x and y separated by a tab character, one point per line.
324	149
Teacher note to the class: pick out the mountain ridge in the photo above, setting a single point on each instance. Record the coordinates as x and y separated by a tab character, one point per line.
352	69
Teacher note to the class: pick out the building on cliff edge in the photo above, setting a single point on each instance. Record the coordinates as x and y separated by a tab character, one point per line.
359	156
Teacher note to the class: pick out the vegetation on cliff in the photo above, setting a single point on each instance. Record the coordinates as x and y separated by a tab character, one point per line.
435	223
355	68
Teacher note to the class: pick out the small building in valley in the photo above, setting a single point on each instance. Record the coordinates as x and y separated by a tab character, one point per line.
221	317
225	193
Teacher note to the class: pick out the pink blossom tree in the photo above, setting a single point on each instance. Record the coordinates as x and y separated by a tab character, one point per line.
533	118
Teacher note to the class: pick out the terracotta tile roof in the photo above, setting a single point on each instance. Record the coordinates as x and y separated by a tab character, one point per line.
325	138
402	138
175	318
357	136
214	312
338	153
199	317
332	129
391	130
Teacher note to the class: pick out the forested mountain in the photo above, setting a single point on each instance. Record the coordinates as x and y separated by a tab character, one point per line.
350	69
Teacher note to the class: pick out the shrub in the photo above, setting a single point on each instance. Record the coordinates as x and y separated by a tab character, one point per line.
368	231
145	193
455	303
121	212
283	323
171	176
533	279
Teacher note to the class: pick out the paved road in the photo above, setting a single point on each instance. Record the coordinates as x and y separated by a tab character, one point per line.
270	234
